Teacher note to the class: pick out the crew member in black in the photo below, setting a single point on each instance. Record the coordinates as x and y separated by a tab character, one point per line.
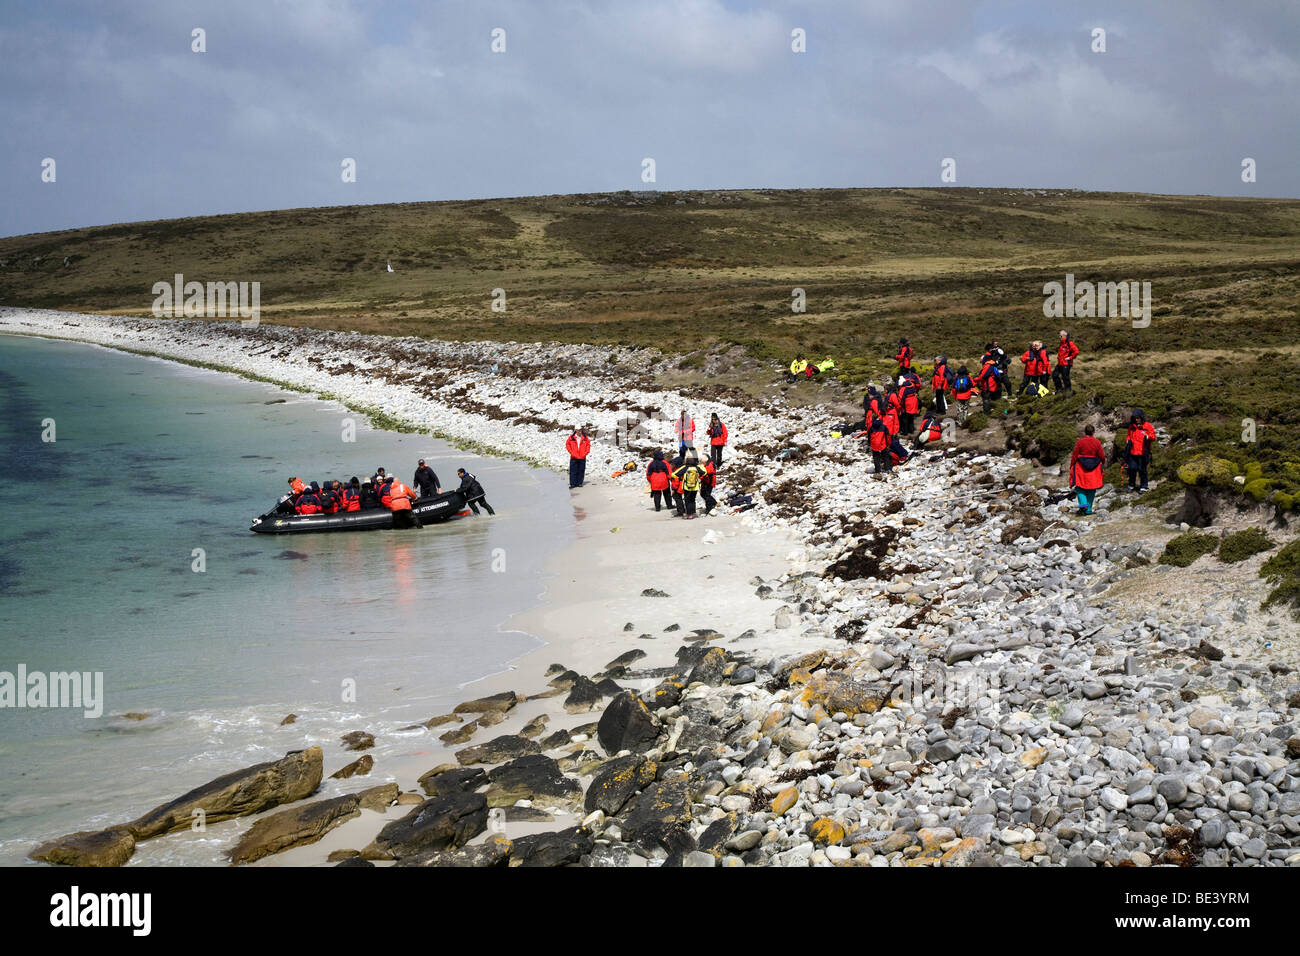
473	491
426	481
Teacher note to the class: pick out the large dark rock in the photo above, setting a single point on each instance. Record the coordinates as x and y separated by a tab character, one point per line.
627	724
357	740
626	658
444	780
665	694
357	768
557	739
528	778
440	823
709	669
298	826
500	703
584	695
495	851
499	750
561	848
660	810
111	847
618	781
237	794
715	836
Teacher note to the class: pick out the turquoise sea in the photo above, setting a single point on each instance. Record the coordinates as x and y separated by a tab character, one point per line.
153	460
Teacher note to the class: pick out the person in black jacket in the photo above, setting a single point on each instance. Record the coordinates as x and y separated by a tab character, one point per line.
473	491
426	481
369	499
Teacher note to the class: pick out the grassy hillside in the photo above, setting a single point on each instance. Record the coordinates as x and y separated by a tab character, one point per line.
684	272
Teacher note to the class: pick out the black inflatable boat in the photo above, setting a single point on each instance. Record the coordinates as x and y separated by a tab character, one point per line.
429	510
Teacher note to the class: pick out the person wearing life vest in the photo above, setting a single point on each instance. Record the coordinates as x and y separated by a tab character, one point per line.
911	400
308	502
708	481
472	491
296	486
578	445
689	476
962	389
675	484
941	383
426	480
657	476
1137	449
379	478
798	367
399	499
684	428
891	421
352	495
1087	469
824	366
1066	353
329	501
385	492
931	431
717	439
878	441
989	383
903	358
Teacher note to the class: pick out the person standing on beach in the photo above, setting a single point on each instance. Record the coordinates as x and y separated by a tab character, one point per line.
685	430
717	439
675	483
1066	353
708	481
657	476
473	491
578	445
1087	469
878	440
426	480
689	476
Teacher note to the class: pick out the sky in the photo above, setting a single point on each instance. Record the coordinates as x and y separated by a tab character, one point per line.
140	126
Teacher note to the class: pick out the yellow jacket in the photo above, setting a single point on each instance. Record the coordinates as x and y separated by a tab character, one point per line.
797	366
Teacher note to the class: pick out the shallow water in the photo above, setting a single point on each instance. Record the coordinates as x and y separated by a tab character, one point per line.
153	460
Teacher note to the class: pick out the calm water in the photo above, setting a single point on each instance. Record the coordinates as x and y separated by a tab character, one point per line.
153	460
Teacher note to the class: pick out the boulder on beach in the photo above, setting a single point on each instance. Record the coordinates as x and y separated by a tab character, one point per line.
111	847
617	781
357	768
499	750
357	740
528	778
627	724
439	823
237	794
499	703
450	778
494	851
298	826
561	848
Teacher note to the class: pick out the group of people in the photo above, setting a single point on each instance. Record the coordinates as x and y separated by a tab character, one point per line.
1088	460
382	490
678	483
578	445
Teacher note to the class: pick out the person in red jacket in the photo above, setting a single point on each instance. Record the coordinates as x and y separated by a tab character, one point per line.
878	440
1137	449
989	382
1066	353
891	421
308	503
1087	469
941	383
903	358
399	499
910	393
1030	382
708	481
578	445
717	439
657	476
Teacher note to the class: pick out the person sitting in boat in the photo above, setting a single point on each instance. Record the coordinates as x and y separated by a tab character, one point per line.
379	478
329	499
351	496
385	490
426	480
473	492
369	499
309	502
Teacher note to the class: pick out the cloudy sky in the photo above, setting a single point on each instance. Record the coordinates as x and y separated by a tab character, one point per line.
141	127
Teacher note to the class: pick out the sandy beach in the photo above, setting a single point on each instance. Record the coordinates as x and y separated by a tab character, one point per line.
945	667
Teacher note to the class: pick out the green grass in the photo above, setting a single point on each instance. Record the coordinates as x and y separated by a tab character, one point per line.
1244	544
1283	572
1186	548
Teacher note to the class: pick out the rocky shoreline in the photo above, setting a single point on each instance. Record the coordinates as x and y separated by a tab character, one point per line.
956	671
